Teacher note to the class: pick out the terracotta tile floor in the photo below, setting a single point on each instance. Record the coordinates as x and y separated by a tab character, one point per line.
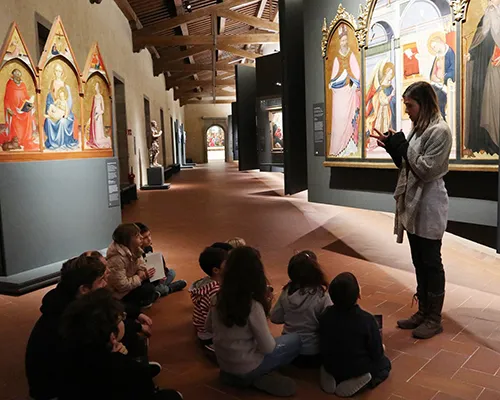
217	202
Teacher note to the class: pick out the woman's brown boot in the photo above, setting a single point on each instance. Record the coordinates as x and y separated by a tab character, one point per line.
419	317
432	324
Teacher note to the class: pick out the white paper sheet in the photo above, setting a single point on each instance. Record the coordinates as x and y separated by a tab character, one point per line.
155	260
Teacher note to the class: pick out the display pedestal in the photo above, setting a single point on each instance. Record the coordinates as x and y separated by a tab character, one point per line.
156	179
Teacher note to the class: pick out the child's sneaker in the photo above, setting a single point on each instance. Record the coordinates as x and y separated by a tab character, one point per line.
209	347
177	286
155	368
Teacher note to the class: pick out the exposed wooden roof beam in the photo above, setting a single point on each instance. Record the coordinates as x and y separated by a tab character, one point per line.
193	16
214	56
239	52
189	85
250	38
262	7
194	102
129	13
177	55
222	29
250	20
209	92
199	67
179	9
260	13
207	88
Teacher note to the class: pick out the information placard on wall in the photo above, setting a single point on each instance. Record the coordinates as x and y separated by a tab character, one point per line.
113	184
319	129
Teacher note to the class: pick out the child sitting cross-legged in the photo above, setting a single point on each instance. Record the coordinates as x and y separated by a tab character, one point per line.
246	351
167	285
94	362
303	299
350	342
211	261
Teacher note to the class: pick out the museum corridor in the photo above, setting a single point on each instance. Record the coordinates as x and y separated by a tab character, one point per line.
216	202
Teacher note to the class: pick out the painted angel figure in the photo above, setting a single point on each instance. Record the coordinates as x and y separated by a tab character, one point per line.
346	99
381	101
154	150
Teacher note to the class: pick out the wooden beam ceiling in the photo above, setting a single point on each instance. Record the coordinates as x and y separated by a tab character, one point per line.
239	52
169	41
190	85
179	10
177	55
129	13
207	94
196	102
194	16
178	65
256	22
219	66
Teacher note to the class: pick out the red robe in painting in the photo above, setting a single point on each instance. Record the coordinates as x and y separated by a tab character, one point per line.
21	123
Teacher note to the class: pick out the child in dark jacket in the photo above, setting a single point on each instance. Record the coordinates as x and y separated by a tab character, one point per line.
94	362
167	285
79	276
350	342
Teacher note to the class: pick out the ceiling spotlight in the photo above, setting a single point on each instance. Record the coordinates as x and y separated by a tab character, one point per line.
188	6
278	83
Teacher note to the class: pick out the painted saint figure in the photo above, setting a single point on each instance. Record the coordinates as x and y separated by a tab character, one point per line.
154	150
411	66
381	101
59	127
443	69
482	121
97	136
346	99
19	113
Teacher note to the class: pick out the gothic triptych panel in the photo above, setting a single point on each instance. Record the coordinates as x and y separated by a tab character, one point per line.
450	44
52	111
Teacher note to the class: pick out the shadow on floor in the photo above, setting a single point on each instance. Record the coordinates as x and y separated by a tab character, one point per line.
340	247
268	193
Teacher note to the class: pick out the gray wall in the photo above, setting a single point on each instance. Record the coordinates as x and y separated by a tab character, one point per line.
53	210
472	211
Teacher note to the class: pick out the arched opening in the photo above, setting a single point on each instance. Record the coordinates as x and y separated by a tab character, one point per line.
215	144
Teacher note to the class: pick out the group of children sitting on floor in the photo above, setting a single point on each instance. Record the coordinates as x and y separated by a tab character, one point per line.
323	326
92	338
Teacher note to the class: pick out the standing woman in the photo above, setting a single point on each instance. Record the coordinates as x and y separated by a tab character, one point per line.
422	200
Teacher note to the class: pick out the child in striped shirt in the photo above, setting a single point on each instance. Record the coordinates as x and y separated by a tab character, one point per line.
211	262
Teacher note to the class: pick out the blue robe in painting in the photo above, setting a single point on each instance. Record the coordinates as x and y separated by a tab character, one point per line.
449	73
60	134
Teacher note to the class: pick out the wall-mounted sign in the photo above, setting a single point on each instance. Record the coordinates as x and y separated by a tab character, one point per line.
319	129
113	184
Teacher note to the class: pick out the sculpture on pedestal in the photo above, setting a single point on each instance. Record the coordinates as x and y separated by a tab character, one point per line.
154	150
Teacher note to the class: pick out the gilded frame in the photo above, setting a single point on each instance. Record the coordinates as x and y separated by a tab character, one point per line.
459	9
343	17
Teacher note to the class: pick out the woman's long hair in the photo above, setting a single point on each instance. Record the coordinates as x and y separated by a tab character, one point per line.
243	281
305	274
425	96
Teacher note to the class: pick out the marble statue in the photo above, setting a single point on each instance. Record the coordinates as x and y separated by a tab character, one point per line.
154	150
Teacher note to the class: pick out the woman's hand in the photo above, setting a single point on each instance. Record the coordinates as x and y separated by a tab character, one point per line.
151	272
382	137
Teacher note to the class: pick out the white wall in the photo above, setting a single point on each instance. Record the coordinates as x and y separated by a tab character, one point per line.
86	23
